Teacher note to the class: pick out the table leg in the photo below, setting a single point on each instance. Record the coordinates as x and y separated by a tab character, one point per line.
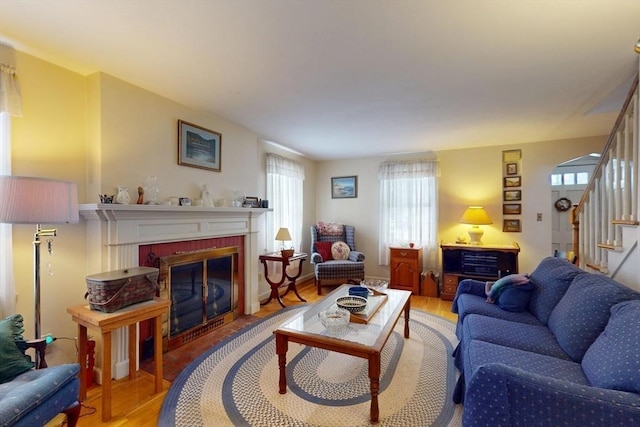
133	354
82	360
282	344
407	310
106	376
157	352
374	377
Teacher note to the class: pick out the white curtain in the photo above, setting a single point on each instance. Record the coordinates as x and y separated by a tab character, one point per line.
10	105
409	208
285	179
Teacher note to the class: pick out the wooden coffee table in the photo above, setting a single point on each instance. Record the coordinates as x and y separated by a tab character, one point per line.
306	329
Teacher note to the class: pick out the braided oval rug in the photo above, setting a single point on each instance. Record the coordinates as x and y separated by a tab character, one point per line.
236	382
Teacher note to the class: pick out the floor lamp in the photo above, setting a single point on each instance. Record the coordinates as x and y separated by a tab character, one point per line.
30	200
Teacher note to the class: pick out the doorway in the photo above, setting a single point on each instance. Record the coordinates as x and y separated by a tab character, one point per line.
568	182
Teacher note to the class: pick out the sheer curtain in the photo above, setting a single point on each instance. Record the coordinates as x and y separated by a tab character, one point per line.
285	178
409	208
10	104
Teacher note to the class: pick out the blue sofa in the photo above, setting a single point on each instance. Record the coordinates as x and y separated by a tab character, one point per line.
32	397
572	357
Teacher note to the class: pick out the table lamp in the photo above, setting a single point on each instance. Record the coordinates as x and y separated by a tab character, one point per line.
283	235
30	200
476	216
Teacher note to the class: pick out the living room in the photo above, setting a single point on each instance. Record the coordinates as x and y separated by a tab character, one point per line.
102	132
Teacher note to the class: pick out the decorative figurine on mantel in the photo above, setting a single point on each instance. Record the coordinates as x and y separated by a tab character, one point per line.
123	196
140	196
207	200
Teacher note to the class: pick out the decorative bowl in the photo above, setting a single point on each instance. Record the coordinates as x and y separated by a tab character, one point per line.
377	284
353	303
335	320
360	291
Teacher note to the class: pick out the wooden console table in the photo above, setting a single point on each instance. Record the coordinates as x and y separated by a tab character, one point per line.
291	280
105	323
480	262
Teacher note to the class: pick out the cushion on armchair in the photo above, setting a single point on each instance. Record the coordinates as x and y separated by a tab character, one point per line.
13	361
612	360
324	249
340	250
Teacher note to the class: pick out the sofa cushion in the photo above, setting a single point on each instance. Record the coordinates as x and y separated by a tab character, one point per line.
584	310
480	353
535	338
36	396
13	361
551	278
613	360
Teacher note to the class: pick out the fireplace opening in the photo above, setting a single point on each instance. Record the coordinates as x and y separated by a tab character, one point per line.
203	289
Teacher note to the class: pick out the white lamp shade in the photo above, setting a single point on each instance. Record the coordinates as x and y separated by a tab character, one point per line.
283	234
31	200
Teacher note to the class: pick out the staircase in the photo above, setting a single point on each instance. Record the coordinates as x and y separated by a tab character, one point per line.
605	222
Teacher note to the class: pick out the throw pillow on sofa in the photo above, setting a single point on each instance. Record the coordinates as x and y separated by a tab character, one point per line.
13	361
613	360
324	249
511	292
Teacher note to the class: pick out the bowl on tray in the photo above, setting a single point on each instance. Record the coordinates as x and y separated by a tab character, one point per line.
360	291
335	320
353	303
375	284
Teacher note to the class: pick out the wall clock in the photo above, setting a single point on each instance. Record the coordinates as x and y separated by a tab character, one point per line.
563	204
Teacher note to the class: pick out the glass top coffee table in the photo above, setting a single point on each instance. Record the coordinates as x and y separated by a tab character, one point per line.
367	343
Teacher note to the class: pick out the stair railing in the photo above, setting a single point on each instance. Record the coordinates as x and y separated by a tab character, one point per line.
611	197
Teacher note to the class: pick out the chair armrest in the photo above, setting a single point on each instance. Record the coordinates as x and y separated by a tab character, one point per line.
498	394
356	256
40	346
316	258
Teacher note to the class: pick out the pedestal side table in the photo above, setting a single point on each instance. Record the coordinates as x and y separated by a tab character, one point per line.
290	279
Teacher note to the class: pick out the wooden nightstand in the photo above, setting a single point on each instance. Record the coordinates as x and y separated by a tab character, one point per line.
405	269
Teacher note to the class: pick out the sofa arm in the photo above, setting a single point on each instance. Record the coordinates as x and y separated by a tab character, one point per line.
502	395
356	256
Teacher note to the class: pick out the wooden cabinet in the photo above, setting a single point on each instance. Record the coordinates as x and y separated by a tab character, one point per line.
487	263
405	269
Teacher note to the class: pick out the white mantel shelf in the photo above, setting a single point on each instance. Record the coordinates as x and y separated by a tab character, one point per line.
115	212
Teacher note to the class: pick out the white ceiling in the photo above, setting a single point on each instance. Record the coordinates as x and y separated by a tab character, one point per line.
353	78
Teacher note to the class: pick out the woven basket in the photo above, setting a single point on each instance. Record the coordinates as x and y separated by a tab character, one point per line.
113	290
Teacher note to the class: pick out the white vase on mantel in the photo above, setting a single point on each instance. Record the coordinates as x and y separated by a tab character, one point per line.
123	197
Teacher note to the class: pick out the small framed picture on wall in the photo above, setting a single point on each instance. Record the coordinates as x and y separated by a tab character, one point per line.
512	168
512	195
511	226
513	181
511	209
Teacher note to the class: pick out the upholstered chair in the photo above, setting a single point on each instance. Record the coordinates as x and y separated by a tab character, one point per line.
334	255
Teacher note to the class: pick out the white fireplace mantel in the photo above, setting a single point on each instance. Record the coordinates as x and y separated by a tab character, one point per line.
115	232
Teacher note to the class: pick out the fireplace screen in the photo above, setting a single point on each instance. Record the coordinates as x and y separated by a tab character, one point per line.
202	287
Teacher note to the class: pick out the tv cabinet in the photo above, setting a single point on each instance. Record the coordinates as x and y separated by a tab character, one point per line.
482	262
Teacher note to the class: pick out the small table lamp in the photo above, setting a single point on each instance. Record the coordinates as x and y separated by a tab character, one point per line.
28	200
475	215
283	235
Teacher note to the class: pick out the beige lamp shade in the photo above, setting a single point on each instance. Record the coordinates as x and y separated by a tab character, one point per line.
30	200
283	235
475	215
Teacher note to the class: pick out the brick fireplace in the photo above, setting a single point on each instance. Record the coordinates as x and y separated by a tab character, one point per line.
121	236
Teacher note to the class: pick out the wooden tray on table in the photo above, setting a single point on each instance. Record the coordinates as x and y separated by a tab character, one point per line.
374	302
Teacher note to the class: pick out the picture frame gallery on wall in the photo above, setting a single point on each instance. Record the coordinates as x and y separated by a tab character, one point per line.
511	190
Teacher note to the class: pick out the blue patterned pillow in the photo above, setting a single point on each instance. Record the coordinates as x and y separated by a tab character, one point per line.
613	361
583	312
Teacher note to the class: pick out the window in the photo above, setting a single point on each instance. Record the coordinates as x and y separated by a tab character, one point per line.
408	207
582	178
570	178
285	179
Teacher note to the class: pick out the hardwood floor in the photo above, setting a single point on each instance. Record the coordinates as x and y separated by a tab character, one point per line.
134	402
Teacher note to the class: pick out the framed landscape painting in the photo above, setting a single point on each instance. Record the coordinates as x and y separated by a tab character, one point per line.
199	147
344	187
